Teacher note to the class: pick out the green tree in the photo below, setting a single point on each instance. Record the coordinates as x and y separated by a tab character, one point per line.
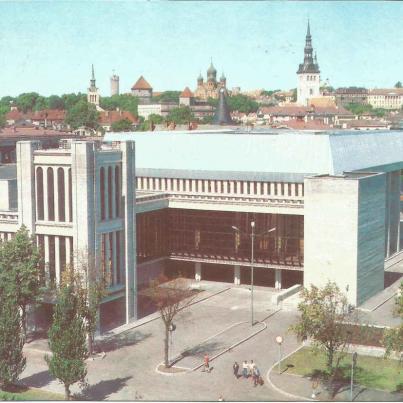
122	125
323	311
72	99
12	360
26	101
269	93
67	340
156	119
167	96
393	338
180	115
56	102
90	287
359	109
294	95
20	270
3	121
242	103
41	103
124	102
398	84
82	114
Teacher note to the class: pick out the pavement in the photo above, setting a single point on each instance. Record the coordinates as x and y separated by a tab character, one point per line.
128	370
221	317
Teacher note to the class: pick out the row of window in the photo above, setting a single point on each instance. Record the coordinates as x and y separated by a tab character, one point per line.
110	188
111	257
47	209
222	186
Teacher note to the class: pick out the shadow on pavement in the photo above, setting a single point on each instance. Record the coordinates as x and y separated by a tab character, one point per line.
122	340
103	389
205	348
38	380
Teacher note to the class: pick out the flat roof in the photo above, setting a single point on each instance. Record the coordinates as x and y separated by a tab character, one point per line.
264	153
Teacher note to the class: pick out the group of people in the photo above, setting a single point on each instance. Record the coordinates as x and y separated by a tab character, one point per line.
249	370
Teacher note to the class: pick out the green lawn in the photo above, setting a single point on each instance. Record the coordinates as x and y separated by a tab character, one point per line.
22	393
372	372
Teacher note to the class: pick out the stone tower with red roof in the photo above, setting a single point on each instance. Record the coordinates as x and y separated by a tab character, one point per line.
143	90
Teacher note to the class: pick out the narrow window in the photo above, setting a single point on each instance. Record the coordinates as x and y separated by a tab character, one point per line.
39	195
110	195
51	195
70	197
60	192
117	191
102	189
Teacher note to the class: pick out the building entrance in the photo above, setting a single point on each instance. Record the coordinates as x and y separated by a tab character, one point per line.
218	272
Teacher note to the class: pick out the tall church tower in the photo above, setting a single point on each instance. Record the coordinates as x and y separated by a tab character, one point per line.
308	74
92	93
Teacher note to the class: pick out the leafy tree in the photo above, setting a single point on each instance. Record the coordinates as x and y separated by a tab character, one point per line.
12	361
359	109
82	114
156	119
169	298
180	115
206	120
398	84
393	338
67	340
72	99
56	102
20	270
167	96
242	103
124	102
294	95
323	311
122	125
269	93
26	101
41	103
3	121
90	289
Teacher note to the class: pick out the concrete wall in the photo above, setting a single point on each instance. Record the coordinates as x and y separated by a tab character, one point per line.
344	233
371	233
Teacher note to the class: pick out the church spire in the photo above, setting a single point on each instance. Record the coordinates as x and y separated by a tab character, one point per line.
310	64
308	31
92	81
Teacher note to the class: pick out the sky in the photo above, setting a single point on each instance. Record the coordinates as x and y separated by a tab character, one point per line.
49	46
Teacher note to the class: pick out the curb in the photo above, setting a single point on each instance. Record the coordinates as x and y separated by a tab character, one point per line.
277	389
173	373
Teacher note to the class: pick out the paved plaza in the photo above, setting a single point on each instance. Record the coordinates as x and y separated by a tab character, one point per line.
128	371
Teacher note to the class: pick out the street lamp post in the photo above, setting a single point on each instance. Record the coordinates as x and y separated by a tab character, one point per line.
279	341
252	260
353	363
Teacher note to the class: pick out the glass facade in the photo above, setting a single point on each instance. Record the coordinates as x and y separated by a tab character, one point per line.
209	235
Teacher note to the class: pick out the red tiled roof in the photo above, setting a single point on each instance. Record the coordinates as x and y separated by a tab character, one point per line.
109	117
386	91
141	84
31	132
50	114
186	93
14	115
302	125
291	110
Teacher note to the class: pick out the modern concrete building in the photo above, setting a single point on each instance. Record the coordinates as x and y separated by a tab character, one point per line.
334	199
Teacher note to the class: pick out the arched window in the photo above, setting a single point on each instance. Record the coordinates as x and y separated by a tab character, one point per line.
60	192
110	193
39	193
51	195
102	189
117	191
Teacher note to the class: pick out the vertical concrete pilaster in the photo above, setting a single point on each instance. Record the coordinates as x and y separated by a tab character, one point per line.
237	274
277	279
198	271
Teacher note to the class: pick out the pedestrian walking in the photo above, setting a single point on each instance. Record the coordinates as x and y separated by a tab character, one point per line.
235	367
207	363
251	366
256	376
245	369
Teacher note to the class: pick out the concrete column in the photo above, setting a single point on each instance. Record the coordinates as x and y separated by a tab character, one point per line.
272	189
47	259
292	189
187	185
252	188
198	271
286	189
206	186
175	184
213	186
128	193
115	258
259	188
45	194
67	195
26	184
225	186
277	279
232	187
193	185
56	194
237	274
219	186
57	259
266	189
113	194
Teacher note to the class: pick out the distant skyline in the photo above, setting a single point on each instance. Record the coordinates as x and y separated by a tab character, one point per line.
48	47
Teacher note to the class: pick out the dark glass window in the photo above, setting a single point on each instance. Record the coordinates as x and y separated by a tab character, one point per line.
60	191
39	195
51	195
